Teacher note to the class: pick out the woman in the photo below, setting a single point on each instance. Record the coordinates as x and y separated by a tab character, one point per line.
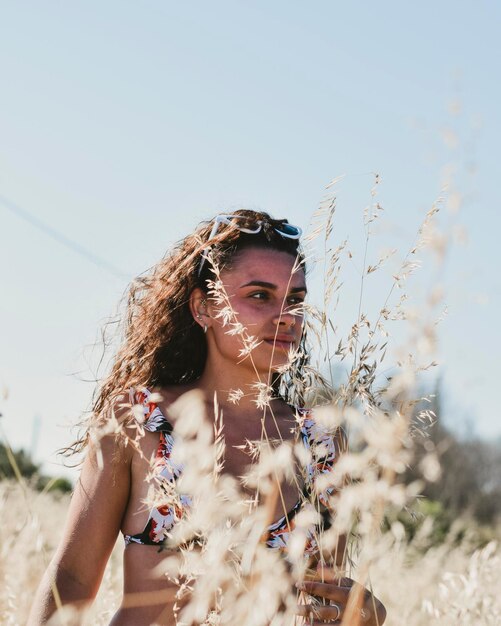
220	314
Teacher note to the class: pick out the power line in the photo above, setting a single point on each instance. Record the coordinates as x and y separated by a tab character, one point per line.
62	239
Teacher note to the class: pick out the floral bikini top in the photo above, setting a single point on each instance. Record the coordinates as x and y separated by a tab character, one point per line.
162	519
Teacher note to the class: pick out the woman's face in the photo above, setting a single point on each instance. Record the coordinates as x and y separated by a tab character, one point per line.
263	291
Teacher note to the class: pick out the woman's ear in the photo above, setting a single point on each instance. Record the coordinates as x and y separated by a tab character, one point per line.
198	308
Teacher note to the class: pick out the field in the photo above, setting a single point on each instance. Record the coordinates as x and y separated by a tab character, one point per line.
443	585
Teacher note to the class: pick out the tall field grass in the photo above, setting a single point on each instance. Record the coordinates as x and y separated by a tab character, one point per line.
453	583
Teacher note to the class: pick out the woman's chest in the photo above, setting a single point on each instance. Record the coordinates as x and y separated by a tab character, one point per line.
262	478
267	472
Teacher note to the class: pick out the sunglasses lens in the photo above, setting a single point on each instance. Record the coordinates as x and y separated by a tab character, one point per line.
289	230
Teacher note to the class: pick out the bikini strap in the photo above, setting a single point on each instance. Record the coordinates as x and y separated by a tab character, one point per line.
154	419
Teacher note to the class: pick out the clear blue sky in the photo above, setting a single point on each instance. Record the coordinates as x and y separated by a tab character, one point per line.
124	124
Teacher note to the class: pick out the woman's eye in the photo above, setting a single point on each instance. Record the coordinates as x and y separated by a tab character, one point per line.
296	300
259	295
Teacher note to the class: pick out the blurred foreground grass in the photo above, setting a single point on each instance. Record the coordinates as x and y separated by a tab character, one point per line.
454	582
32	524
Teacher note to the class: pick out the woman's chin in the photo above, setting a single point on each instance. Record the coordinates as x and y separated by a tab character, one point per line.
264	360
278	363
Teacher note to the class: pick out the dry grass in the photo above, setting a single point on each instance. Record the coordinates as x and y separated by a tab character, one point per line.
32	524
445	585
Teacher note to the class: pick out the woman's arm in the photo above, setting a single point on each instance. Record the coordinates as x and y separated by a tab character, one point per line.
94	518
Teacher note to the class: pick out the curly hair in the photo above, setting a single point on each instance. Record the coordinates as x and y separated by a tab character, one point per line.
161	343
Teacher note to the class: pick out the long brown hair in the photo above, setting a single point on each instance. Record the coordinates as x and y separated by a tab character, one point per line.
161	344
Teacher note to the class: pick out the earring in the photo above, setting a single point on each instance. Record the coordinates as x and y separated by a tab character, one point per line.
199	317
203	302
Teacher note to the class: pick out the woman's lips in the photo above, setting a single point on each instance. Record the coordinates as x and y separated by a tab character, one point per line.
285	344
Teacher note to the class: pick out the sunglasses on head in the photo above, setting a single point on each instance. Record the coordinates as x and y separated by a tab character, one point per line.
289	231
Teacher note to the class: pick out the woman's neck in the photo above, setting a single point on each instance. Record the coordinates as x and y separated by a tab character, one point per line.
240	387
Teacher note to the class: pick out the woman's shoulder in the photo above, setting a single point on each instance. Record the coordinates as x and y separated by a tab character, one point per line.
146	410
151	405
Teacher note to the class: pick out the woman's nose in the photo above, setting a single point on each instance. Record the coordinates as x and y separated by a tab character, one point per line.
284	319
